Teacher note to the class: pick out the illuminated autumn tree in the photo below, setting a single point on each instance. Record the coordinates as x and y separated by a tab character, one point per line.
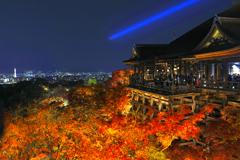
221	135
121	76
94	126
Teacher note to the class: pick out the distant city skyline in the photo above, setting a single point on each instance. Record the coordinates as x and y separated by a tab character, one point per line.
35	71
52	77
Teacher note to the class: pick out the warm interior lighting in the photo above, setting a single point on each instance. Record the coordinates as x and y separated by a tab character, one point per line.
212	55
235	69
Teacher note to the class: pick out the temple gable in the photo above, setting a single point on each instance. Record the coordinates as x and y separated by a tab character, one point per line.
216	39
134	54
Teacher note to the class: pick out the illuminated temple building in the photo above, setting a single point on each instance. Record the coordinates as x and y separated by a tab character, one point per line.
201	67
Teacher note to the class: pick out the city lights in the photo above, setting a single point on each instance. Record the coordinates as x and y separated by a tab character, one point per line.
154	18
52	77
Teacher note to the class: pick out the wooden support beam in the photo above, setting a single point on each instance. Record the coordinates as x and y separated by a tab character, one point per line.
194	104
185	70
188	68
137	96
144	109
215	71
151	100
194	142
194	68
225	70
170	103
154	70
166	66
180	69
139	69
200	70
172	78
209	70
143	98
160	105
132	94
143	76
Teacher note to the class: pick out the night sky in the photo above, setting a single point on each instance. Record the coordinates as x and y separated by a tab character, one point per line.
73	35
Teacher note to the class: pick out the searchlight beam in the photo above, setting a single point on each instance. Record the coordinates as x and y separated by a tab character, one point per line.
154	18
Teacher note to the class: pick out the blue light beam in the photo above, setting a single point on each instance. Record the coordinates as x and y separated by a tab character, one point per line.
154	18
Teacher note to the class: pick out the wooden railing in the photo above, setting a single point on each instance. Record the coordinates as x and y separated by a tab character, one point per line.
224	85
183	88
164	87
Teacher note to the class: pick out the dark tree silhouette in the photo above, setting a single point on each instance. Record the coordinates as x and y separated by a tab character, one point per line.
1	118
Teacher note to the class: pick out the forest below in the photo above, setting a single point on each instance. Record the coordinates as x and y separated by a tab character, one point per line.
97	122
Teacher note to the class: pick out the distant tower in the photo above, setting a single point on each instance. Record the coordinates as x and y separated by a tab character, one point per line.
174	36
15	72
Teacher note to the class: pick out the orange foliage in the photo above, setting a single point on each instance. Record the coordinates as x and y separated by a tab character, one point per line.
121	76
94	127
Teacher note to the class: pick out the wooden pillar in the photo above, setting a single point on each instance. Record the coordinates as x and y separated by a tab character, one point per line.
137	96
134	69
146	72
172	71
194	104
144	109
172	68
166	66
132	95
209	70
204	68
218	71
170	103
138	69
225	69
151	100
194	142
143	98
143	104
194	69
154	69
143	74
188	68
215	71
185	70
200	70
180	68
224	101
160	104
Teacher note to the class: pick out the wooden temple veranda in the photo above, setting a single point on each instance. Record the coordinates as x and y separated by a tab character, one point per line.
199	68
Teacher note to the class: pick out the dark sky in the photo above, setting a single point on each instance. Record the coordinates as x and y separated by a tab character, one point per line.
73	35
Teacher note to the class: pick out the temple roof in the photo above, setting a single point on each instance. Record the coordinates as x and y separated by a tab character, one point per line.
191	43
190	40
146	51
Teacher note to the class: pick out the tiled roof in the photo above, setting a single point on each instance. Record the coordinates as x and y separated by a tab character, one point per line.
228	24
